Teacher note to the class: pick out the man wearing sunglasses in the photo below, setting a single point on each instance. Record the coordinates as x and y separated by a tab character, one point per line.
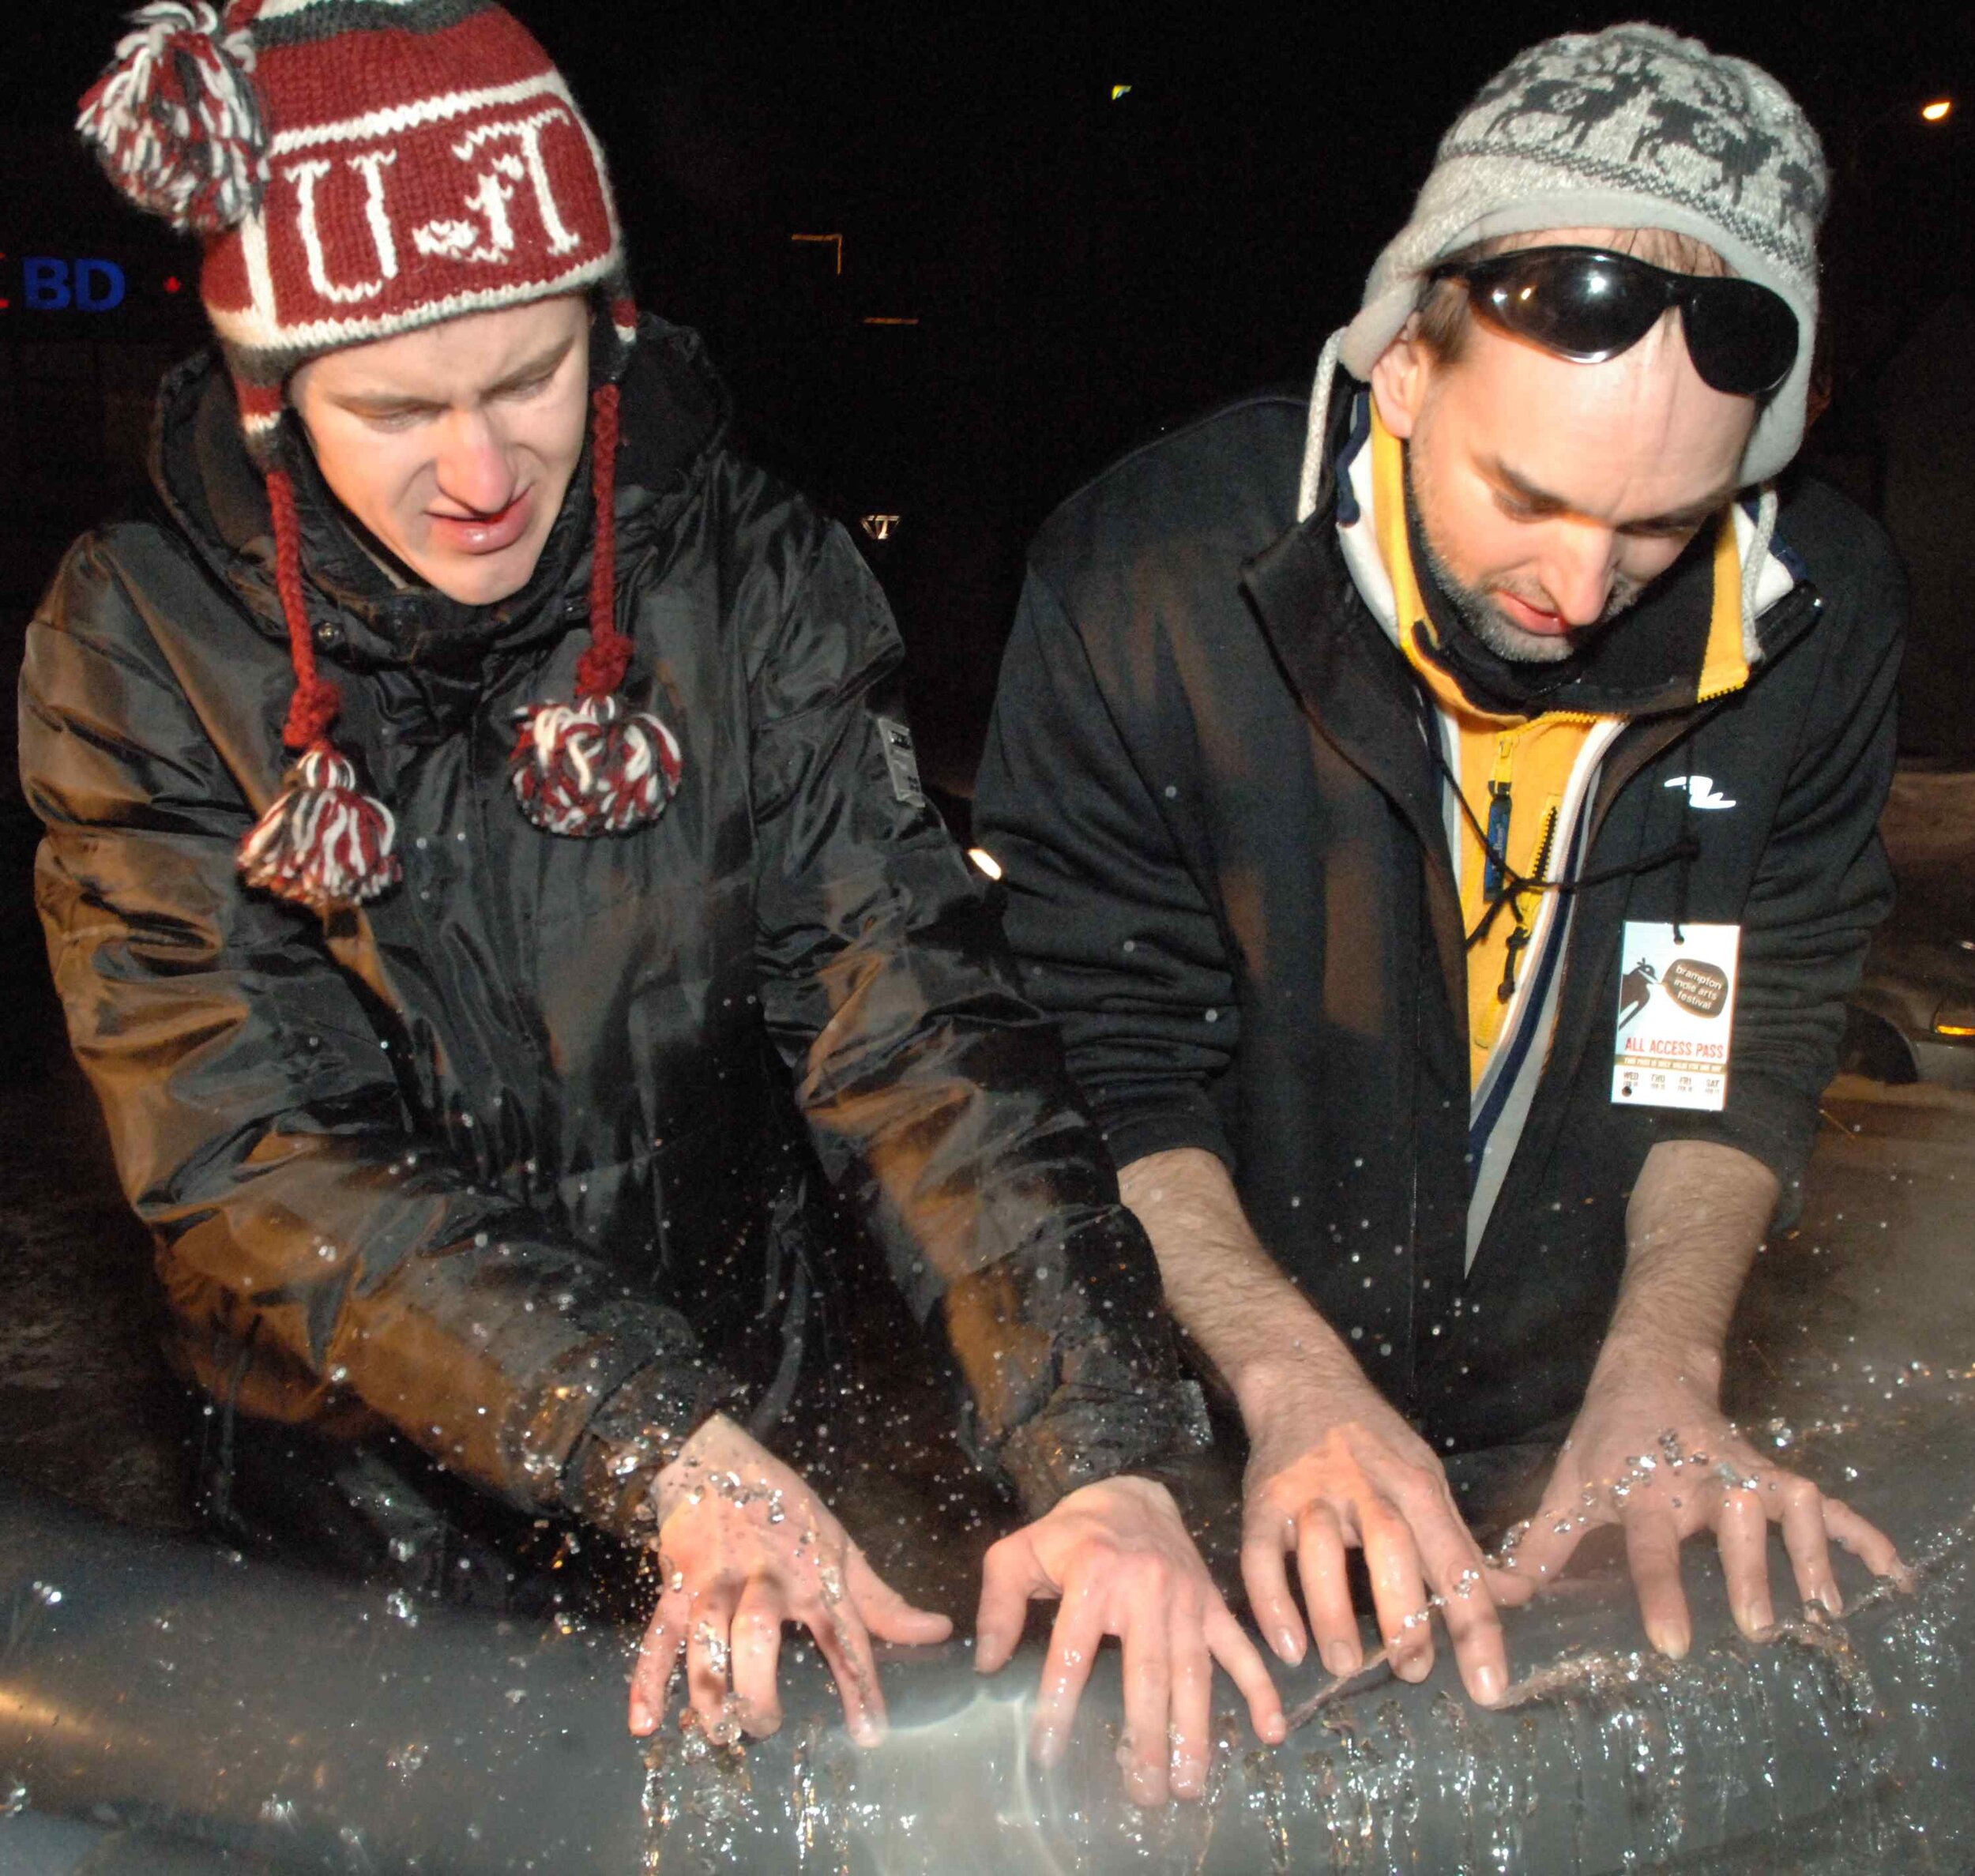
1441	811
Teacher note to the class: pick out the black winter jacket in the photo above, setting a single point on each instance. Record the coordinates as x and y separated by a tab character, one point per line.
501	1158
1227	874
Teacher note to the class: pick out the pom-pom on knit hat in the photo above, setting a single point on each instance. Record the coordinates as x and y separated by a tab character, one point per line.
1631	127
359	169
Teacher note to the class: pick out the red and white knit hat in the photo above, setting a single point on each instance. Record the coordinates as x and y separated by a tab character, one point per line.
360	168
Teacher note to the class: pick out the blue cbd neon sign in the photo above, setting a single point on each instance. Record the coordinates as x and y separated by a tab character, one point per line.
51	284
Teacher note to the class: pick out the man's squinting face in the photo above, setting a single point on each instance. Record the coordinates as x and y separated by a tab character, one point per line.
454	445
1552	493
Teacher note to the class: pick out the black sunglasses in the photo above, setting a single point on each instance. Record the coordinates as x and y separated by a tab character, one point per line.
1589	304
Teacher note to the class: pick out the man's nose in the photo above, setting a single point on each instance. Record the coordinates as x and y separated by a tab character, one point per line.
1578	573
472	467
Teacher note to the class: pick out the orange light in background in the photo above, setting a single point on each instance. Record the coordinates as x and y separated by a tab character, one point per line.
1938	110
891	319
985	861
879	526
1118	92
835	242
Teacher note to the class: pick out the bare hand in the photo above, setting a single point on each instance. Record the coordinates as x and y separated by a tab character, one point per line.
743	1546
1332	1466
1652	1454
1120	1558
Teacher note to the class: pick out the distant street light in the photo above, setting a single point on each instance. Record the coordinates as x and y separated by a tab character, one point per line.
1118	91
833	242
1937	111
879	526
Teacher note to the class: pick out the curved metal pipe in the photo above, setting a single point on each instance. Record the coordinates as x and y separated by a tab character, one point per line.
152	1686
317	1725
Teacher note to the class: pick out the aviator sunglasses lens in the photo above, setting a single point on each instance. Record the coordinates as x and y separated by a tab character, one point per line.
1741	337
1579	305
1590	306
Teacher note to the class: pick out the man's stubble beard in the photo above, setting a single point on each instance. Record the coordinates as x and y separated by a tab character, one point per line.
1488	621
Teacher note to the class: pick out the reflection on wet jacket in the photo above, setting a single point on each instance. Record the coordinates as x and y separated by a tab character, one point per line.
486	1159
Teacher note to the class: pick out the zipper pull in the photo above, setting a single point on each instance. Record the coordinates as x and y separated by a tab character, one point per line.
1493	880
1511	958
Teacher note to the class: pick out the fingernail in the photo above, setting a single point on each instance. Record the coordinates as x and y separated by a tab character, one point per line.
867	1732
1759	1620
1339	1659
1670	1642
1289	1646
1489	1686
1834	1602
1273	1730
641	1719
1046	1746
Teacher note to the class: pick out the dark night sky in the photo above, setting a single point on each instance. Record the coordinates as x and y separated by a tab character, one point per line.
1082	271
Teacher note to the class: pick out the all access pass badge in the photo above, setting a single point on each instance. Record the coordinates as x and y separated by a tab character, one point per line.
1676	1013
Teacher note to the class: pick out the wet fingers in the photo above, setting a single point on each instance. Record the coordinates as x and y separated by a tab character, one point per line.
1398	1589
1190	1730
1804	1538
1742	1532
1869	1543
756	1640
1073	1642
1326	1589
1269	1533
886	1613
1143	1750
1008	1580
1230	1646
657	1656
1473	1628
710	1654
1653	1553
847	1648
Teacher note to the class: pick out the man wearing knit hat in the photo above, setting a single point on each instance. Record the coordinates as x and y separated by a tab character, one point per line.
1440	810
487	877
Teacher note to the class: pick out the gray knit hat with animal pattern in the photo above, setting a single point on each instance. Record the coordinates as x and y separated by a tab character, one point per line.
1631	127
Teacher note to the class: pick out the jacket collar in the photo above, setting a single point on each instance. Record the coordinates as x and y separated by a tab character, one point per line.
1358	694
1659	658
675	414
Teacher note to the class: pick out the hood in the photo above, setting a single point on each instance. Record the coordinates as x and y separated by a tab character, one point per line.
675	414
1651	659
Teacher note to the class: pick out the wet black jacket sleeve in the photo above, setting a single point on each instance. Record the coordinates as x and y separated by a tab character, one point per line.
256	1119
933	1088
1119	941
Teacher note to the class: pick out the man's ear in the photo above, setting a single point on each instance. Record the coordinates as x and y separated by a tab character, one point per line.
1400	378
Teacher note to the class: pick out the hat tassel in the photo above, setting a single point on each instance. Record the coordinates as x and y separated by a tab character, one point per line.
593	766
323	843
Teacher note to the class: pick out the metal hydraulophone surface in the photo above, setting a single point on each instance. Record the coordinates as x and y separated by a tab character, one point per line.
156	1696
